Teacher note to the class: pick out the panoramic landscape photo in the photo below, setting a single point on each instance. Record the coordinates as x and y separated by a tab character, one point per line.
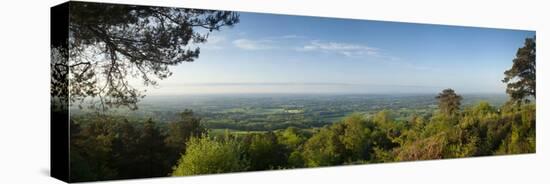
159	91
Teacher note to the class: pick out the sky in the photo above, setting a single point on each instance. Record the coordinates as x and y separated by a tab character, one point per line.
268	53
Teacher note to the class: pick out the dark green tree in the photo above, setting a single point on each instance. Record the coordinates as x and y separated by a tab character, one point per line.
125	150
180	131
91	149
150	160
81	170
264	152
521	78
110	43
449	102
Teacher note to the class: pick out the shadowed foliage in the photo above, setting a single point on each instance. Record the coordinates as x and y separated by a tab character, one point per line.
111	47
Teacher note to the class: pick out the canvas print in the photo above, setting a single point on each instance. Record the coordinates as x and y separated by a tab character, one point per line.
146	91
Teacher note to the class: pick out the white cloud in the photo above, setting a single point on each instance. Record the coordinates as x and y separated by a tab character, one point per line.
214	42
292	36
247	44
346	49
359	50
216	39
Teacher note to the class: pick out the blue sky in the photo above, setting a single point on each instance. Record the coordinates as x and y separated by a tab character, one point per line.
267	53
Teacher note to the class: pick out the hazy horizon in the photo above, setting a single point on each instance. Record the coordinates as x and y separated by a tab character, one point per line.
501	94
268	53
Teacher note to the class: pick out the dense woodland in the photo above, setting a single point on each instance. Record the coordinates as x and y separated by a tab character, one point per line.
114	147
109	44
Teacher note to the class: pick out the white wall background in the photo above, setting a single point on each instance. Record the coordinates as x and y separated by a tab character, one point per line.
24	90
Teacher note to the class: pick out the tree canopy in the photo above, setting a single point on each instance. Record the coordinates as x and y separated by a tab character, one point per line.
449	101
206	155
110	44
104	147
521	78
